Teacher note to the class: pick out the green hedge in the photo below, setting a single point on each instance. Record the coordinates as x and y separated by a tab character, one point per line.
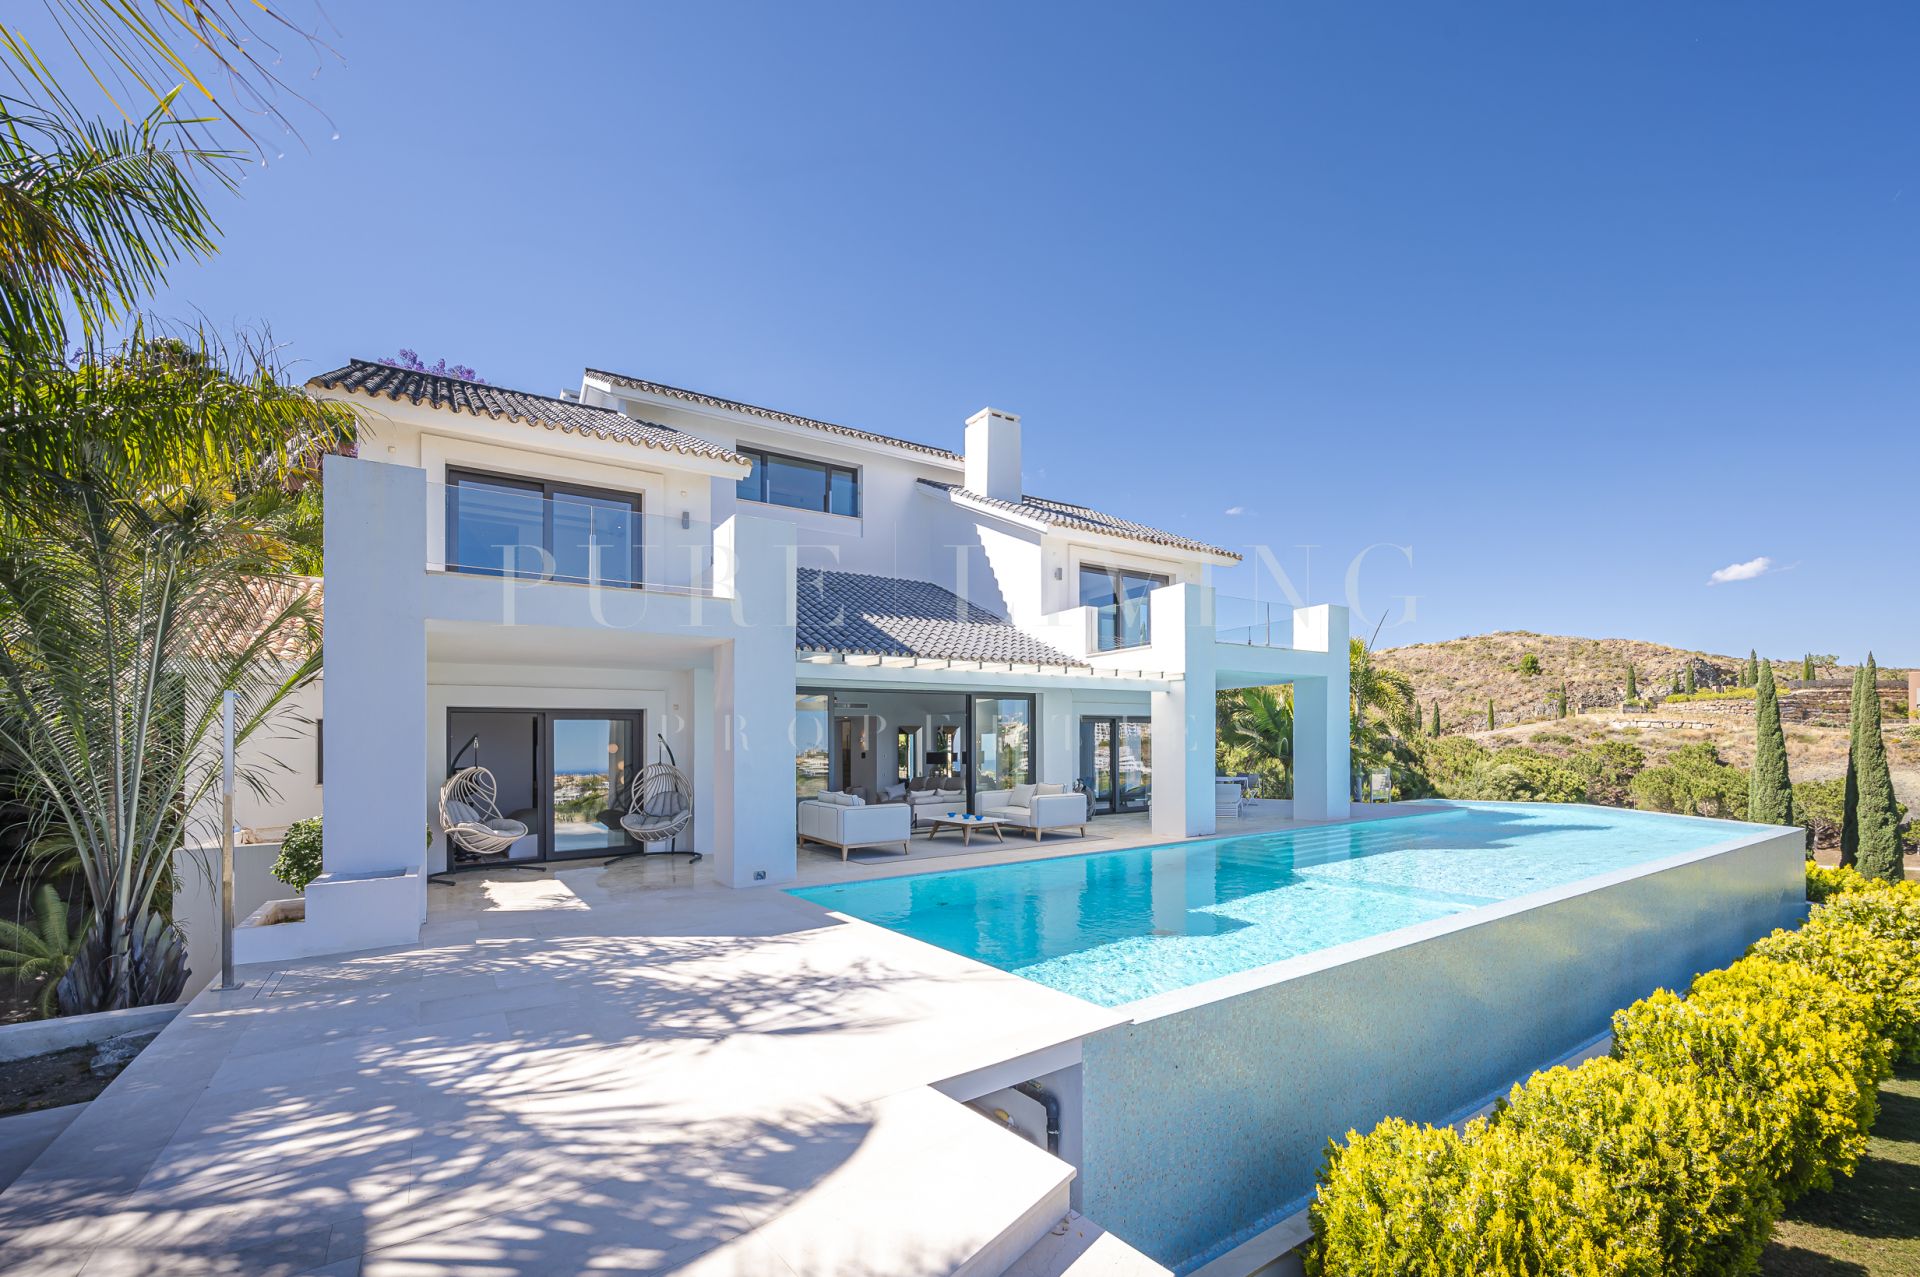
1674	1155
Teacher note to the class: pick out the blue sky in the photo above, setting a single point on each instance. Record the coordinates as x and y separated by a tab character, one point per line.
1580	303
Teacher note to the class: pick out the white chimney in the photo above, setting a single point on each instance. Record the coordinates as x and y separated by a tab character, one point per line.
993	454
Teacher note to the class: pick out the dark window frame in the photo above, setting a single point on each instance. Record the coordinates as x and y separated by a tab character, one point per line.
1125	636
762	458
547	489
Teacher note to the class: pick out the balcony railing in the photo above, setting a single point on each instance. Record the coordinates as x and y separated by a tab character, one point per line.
589	539
1118	626
1252	622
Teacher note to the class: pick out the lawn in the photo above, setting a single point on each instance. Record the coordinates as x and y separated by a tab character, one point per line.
1868	1226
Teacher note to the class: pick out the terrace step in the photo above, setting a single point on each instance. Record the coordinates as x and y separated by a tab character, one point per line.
1078	1247
932	1189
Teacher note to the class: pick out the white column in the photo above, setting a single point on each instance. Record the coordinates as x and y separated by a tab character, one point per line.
753	688
701	730
1183	714
1322	767
1058	760
375	797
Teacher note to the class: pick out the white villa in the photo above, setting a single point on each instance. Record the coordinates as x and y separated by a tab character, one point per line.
562	589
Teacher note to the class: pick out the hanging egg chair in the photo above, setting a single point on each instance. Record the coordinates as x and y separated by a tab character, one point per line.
660	805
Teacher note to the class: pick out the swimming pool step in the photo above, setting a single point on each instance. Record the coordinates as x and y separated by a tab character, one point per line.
932	1189
1078	1247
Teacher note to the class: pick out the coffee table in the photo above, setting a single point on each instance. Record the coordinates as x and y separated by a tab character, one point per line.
966	825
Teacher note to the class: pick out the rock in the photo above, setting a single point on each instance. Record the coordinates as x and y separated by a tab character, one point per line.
117	1052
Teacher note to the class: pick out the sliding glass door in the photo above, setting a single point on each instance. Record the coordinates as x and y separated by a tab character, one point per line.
1116	763
1003	742
564	774
593	766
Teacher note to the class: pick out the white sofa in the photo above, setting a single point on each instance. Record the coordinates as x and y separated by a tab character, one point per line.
930	805
846	821
1035	808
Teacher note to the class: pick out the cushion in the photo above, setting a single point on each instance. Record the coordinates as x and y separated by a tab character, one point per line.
952	795
1021	795
844	800
1049	789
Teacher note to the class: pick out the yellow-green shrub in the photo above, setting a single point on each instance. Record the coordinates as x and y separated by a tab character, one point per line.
1870	944
1824	883
1787	1058
1663	1148
1494	1201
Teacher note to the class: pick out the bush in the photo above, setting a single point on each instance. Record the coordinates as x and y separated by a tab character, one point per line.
1609	768
1494	1201
1823	883
1871	947
1675	1155
1693	782
1786	1056
299	860
1728	694
1660	1146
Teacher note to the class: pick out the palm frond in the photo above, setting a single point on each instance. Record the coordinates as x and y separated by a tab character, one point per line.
91	217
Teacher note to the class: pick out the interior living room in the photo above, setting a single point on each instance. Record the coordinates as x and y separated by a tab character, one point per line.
943	754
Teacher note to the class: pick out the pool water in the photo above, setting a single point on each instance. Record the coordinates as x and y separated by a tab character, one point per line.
1117	926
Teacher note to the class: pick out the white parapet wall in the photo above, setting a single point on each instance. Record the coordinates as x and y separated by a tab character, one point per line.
1207	1117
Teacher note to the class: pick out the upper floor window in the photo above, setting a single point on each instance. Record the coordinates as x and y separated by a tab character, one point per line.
801	484
502	526
1119	596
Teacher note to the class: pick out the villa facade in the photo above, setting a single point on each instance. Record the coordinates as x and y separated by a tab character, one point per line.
564	589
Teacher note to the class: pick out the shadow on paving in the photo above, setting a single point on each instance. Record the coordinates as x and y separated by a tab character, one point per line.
523	1104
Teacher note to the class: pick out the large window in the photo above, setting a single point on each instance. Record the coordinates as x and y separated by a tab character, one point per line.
1003	726
1119	596
502	526
801	484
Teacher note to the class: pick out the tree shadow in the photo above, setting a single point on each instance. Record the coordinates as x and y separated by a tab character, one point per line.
560	1094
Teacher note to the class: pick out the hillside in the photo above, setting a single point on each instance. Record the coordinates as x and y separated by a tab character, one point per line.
1463	673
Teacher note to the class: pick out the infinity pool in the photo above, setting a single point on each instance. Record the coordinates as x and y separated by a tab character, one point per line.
1117	926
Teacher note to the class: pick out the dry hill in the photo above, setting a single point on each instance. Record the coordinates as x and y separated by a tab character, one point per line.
1462	674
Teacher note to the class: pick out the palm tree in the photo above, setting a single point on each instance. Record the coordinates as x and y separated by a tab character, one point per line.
43	952
134	590
91	216
1385	694
1257	723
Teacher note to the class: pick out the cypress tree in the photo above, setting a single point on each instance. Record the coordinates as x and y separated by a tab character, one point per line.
1419	723
1563	698
1633	688
1769	790
1879	819
1689	674
1753	669
1806	668
1489	713
1436	716
1850	799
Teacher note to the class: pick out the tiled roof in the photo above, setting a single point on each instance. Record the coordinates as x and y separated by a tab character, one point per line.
382	381
769	414
886	616
1060	514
